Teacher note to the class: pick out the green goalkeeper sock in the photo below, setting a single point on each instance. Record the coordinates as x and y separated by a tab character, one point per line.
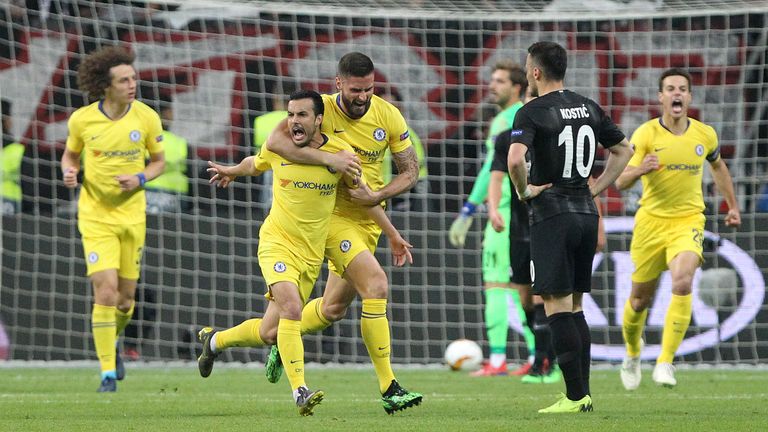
496	323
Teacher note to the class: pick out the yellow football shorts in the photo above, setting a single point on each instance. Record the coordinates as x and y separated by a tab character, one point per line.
108	246
656	241
279	264
347	239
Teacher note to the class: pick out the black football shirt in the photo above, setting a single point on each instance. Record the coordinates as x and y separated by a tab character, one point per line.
562	130
519	229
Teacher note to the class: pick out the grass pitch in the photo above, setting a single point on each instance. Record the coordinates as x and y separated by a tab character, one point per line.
240	399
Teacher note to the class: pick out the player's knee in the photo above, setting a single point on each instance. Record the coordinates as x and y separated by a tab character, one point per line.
268	335
681	284
640	303
291	311
377	286
125	300
124	304
334	311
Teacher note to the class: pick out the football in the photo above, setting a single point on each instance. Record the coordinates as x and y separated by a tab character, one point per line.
463	354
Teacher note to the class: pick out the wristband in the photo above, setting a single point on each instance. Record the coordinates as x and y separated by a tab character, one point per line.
468	209
142	179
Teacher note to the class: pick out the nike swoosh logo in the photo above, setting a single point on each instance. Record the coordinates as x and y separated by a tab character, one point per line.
658	149
338	131
296	361
383	348
286	163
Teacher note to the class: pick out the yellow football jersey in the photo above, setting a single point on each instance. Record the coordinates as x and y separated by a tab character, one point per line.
674	190
381	127
111	148
303	200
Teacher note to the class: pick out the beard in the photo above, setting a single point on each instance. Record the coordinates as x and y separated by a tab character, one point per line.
355	110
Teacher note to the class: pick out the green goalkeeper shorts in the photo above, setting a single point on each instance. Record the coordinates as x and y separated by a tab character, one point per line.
496	251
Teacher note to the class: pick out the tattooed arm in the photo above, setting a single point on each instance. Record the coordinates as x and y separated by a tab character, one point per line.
408	173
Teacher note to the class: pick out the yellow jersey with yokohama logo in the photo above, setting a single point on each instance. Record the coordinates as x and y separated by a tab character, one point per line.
675	189
303	200
382	127
110	148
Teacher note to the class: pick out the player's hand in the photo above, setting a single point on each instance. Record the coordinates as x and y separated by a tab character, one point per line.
733	218
128	182
532	191
401	250
346	163
497	221
219	175
650	163
363	195
70	177
457	235
602	240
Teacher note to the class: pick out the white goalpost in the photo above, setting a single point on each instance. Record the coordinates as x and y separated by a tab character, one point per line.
221	64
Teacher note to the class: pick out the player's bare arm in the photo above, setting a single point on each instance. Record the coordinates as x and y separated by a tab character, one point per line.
279	142
494	197
518	173
630	175
618	157
408	173
223	175
722	177
154	168
602	240
401	249
70	166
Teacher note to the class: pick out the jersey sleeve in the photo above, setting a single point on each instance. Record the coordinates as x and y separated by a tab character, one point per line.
263	159
154	140
500	152
480	188
524	129
610	134
399	135
74	137
639	142
713	146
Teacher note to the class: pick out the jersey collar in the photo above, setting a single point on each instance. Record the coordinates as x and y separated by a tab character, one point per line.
101	108
661	122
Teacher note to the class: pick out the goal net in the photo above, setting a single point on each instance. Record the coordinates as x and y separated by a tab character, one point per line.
220	65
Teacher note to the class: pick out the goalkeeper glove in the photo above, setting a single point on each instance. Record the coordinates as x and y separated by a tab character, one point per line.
458	232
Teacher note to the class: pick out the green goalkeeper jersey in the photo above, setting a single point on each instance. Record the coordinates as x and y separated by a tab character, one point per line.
500	123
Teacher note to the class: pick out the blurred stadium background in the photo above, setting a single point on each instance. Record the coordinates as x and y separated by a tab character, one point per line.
220	65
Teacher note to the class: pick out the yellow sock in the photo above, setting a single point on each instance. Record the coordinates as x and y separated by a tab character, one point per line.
123	318
632	329
104	335
245	334
312	319
291	351
375	328
675	325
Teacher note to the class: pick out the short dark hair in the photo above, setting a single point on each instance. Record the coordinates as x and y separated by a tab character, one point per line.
6	107
317	100
551	58
516	73
93	75
675	72
355	64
